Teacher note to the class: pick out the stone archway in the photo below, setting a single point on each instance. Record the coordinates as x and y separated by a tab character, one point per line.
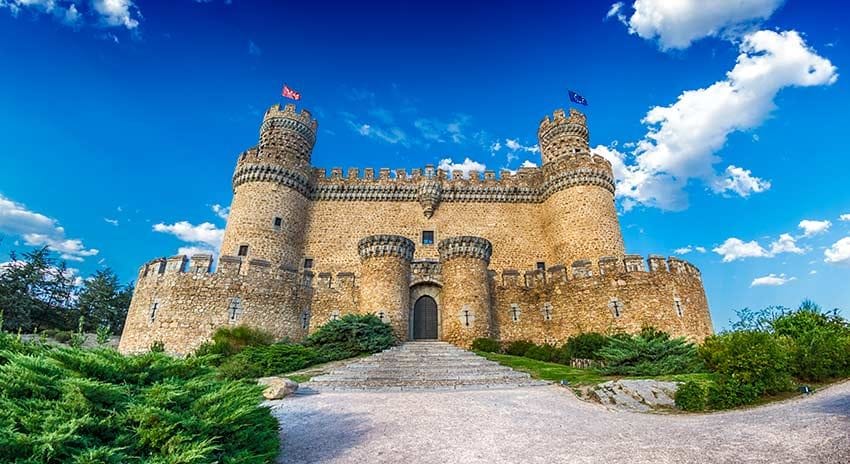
417	293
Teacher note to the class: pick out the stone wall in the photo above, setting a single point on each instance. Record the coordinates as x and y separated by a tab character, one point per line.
465	297
181	307
385	280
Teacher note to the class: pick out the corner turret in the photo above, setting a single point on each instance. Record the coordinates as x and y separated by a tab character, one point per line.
563	135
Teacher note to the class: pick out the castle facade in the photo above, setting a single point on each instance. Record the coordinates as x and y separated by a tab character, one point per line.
533	255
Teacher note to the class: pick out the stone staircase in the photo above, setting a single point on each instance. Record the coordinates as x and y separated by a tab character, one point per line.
430	365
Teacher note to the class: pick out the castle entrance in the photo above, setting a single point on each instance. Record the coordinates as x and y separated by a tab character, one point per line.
425	318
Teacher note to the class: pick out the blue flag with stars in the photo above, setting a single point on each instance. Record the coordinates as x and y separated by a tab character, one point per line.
576	98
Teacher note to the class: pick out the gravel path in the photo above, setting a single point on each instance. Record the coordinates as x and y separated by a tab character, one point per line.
550	425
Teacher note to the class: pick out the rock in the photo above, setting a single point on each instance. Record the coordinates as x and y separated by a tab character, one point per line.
277	387
636	395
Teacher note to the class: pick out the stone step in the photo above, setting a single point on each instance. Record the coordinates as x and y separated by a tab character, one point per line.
418	386
434	377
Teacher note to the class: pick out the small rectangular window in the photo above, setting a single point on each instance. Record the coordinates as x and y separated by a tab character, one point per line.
278	222
427	237
243	250
541	266
308	263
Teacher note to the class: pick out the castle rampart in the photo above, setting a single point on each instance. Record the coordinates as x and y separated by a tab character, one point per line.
533	254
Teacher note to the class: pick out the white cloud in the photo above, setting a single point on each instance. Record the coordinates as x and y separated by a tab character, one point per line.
515	145
813	272
528	164
683	138
811	227
114	222
740	181
688	249
434	130
466	166
391	135
195	250
734	248
498	146
772	280
785	244
839	252
676	24
204	233
40	230
117	12
844	217
107	13
221	211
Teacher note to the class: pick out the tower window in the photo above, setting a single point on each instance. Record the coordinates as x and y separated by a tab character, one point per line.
616	307
278	222
234	309
541	266
154	307
305	319
427	237
243	250
677	303
308	263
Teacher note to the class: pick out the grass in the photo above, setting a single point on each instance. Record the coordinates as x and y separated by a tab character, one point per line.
555	372
298	378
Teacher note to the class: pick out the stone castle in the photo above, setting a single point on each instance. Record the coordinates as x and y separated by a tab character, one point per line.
533	255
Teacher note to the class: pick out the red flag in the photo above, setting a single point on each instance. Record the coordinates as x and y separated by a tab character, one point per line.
289	93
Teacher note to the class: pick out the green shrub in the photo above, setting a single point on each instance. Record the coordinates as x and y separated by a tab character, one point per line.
353	334
72	405
749	358
61	336
820	348
691	396
158	346
487	345
584	346
227	341
266	360
518	348
545	353
730	392
650	352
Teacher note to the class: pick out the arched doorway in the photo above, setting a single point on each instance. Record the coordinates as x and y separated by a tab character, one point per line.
425	319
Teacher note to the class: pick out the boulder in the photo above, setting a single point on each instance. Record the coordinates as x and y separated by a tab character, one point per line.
277	387
636	395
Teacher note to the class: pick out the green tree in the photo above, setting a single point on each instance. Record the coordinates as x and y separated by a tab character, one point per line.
36	291
103	301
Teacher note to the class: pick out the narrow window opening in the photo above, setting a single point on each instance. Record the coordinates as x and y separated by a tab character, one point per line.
515	311
678	304
541	266
616	307
234	309
547	312
154	307
278	222
308	263
427	237
243	250
305	320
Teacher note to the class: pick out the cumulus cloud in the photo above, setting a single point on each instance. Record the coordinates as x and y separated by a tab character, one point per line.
104	13
39	230
844	217
734	248
196	235
772	280
677	24
528	164
467	165
839	252
811	227
221	211
785	244
683	138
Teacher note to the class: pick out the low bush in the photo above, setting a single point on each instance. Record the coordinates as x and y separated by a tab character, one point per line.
266	360
820	348
691	396
487	345
650	352
749	358
351	335
518	348
228	341
583	346
730	392
546	353
71	405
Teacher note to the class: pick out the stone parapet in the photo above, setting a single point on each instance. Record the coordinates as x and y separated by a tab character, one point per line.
386	245
465	247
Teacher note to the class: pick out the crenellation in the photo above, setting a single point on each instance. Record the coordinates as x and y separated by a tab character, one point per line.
306	240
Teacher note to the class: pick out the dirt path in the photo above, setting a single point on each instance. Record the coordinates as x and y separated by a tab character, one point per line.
550	425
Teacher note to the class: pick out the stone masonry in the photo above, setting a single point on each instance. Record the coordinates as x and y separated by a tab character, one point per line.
535	255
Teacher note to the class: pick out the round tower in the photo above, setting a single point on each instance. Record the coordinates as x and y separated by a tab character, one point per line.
581	219
465	297
385	279
271	185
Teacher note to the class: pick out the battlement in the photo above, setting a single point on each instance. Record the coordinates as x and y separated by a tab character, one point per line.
199	266
560	117
386	245
288	112
608	266
562	135
465	247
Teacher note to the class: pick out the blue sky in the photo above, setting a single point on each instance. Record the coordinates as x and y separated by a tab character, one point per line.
120	121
